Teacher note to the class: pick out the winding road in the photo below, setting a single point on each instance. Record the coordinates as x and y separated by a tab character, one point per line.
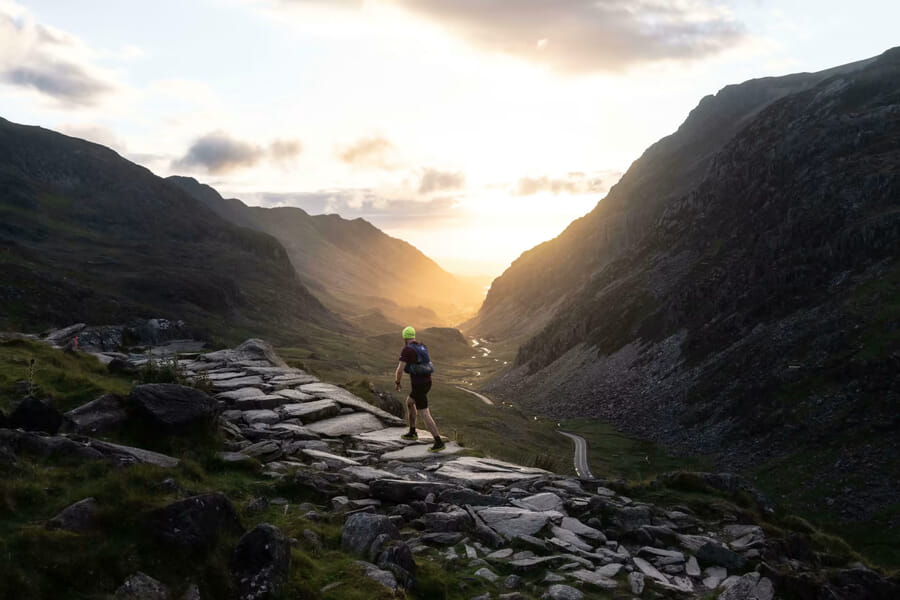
582	468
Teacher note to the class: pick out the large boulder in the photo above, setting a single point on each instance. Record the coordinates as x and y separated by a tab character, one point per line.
362	529
106	413
78	517
172	406
261	562
32	414
194	524
141	586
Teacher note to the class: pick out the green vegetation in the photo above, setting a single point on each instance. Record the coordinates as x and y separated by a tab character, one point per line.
68	379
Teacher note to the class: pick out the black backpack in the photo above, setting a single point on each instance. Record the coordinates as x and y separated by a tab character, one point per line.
423	366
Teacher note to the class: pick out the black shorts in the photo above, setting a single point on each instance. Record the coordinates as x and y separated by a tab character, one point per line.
419	393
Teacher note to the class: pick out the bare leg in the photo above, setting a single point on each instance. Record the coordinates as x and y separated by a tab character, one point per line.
430	424
411	413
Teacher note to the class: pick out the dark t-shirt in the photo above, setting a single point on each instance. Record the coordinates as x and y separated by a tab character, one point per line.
409	356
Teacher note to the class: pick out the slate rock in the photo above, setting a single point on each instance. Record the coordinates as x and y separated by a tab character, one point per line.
106	413
512	582
172	406
32	414
402	491
711	554
541	502
382	576
560	591
444	538
261	562
397	558
194	524
141	586
456	520
361	529
632	518
77	517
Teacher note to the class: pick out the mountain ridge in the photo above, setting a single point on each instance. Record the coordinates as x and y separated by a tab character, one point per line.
353	266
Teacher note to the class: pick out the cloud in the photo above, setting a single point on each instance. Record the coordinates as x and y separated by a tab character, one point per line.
285	150
571	183
369	152
434	180
582	36
50	62
218	152
383	212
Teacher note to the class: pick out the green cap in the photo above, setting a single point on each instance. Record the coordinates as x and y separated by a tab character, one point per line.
409	333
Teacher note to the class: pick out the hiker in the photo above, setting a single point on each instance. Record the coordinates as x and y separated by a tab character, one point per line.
414	360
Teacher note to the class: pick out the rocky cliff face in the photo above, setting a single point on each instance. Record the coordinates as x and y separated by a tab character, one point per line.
754	313
353	266
88	236
527	296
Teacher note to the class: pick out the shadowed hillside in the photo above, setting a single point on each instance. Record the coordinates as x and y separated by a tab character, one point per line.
87	236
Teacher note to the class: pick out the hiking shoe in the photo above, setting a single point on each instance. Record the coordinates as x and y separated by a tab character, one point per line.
438	446
412	435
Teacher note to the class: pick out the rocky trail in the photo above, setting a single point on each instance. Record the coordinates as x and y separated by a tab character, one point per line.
522	532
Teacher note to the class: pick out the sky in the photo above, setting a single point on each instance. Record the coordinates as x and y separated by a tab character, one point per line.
474	129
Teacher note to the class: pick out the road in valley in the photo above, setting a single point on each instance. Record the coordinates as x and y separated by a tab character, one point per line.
582	468
482	397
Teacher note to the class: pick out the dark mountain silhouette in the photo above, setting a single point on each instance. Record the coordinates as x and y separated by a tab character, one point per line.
738	292
351	265
86	235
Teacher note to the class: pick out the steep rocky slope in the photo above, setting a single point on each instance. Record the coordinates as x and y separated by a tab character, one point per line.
536	286
88	236
316	496
352	266
756	318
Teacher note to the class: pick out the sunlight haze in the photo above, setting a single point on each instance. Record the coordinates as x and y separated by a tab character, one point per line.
473	130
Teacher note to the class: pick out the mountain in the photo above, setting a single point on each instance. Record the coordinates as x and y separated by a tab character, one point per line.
351	265
89	236
738	293
524	299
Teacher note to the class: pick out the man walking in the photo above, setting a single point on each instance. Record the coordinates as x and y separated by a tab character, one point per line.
417	402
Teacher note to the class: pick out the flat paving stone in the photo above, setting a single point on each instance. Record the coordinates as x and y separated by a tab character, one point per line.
225	375
238	394
346	425
367	474
239	382
308	412
261	416
345	398
485	471
294	395
331	459
420	450
256	402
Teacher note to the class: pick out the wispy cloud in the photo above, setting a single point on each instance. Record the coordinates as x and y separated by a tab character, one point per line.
580	36
218	152
48	61
571	183
434	180
371	152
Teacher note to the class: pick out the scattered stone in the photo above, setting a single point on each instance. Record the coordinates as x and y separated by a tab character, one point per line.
595	579
636	581
714	577
294	395
749	587
261	416
105	414
77	517
540	502
361	529
512	522
559	591
512	582
311	411
385	578
582	530
692	568
650	571
715	555
487	574
141	586
128	455
194	523
501	554
261	562
610	570
233	396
